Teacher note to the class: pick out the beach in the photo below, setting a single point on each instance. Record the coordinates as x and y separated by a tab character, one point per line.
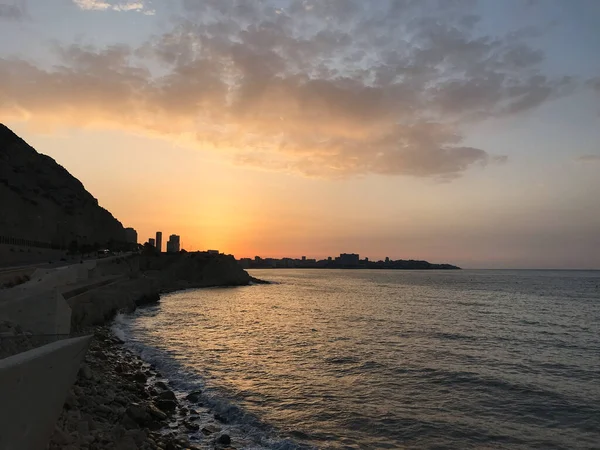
121	402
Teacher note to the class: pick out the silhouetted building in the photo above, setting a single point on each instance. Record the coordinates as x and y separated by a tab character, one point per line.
131	235
349	259
159	241
152	242
173	244
212	252
344	261
387	259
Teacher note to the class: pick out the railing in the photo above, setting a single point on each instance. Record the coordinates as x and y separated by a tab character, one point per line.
29	243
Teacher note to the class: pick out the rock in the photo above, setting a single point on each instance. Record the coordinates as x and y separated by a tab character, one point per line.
100	355
60	437
191	426
74	415
224	439
220	418
155	412
126	443
161	385
167	395
128	422
103	409
71	401
87	439
210	429
121	401
138	413
139	436
83	427
194	397
86	372
140	377
100	400
166	405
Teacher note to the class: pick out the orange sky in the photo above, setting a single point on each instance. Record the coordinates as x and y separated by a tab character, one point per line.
437	131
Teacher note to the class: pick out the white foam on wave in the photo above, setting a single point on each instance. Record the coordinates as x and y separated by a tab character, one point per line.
117	327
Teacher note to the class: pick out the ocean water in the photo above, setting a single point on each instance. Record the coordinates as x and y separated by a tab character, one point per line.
340	359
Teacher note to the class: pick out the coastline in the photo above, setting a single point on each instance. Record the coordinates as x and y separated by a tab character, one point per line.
118	401
121	402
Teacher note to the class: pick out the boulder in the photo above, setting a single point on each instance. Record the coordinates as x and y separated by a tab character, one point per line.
161	385
220	418
155	412
194	396
224	439
191	426
166	405
140	377
167	395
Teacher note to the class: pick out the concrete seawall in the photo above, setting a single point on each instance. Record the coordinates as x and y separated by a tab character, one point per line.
40	312
33	386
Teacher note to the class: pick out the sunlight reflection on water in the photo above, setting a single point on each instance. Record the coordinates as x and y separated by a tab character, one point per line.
389	359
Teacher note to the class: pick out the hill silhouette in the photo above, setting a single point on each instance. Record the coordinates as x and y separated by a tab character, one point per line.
41	201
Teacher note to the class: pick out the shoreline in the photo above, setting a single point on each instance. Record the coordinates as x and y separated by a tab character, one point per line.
121	402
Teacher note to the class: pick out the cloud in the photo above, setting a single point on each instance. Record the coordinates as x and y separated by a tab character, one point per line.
105	5
589	158
331	89
594	83
17	11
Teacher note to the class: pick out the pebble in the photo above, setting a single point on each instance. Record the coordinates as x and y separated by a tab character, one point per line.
110	406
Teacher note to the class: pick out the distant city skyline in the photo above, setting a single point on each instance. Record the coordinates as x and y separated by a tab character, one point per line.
457	131
343	261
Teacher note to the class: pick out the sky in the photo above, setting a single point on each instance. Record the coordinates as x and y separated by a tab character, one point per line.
458	131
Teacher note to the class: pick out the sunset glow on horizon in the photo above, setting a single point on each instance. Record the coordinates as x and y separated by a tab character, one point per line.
463	132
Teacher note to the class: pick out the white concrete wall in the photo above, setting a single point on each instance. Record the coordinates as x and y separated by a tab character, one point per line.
52	278
41	312
33	388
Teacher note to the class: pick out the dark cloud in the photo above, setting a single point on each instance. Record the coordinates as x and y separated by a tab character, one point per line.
16	11
327	88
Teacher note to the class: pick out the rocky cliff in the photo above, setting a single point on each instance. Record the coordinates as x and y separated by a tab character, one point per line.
142	277
41	201
194	270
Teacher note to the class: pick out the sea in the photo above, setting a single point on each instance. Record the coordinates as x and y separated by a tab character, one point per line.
377	359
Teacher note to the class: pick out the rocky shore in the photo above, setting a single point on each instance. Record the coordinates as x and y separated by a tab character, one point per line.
121	402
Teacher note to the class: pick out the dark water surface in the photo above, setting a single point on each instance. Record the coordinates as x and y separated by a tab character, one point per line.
390	359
